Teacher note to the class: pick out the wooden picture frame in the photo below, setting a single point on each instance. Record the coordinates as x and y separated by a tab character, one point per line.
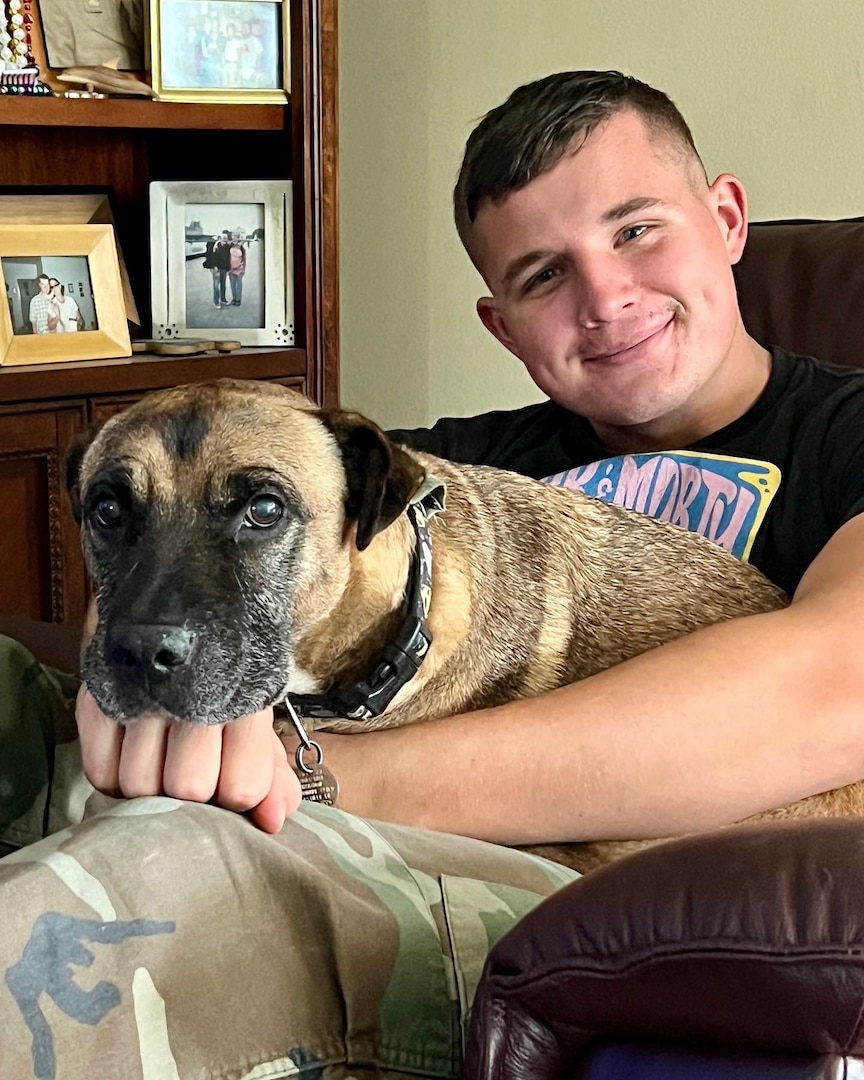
189	297
220	51
87	253
66	206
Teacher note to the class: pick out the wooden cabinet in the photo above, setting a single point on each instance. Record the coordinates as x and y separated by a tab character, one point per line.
41	570
123	144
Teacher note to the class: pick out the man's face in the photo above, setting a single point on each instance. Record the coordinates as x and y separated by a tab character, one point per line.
44	285
611	277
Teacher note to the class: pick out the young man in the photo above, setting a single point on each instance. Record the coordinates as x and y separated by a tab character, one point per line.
608	256
40	314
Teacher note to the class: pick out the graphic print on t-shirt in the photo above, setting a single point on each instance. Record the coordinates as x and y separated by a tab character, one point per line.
723	498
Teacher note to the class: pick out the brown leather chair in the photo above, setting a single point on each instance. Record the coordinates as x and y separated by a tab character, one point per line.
736	954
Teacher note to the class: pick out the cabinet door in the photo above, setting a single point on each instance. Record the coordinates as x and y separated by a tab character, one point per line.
104	407
41	567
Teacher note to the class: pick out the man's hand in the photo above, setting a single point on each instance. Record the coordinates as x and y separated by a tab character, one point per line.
240	766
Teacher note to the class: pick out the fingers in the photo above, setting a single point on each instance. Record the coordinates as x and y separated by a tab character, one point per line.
241	766
284	795
247	761
193	756
101	742
255	774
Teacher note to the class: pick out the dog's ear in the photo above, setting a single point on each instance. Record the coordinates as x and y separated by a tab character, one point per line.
74	456
381	476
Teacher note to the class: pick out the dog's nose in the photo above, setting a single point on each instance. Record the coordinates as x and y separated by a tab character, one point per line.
160	649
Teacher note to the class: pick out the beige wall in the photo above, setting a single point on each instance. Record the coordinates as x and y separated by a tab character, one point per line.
773	90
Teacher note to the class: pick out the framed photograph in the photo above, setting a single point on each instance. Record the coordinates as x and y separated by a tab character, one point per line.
228	51
64	297
66	206
221	261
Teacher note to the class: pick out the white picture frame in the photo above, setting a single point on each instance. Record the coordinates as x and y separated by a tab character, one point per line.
185	218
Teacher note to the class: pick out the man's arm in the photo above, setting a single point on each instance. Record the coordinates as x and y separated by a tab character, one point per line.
737	718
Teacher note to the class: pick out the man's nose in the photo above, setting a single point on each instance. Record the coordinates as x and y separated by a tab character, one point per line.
605	288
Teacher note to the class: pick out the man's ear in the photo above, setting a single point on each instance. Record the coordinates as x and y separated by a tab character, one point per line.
729	200
381	477
74	457
493	320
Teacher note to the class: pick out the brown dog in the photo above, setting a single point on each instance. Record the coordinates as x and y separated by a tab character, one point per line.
244	544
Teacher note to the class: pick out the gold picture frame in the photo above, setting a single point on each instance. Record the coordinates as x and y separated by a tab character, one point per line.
228	52
61	253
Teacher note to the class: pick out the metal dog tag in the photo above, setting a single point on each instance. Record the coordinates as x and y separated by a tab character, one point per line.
319	785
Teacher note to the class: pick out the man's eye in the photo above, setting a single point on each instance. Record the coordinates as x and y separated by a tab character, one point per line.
544	276
633	232
107	514
263	513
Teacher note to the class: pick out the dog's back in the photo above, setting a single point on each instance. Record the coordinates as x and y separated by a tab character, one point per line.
560	586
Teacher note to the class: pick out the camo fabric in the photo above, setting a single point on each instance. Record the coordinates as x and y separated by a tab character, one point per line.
160	940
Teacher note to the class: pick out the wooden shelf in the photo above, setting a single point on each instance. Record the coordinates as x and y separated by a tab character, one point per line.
138	113
144	371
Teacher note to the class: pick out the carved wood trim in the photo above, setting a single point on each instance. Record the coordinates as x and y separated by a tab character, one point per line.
317	158
51	458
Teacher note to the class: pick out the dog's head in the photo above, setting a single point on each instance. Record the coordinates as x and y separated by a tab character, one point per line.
217	521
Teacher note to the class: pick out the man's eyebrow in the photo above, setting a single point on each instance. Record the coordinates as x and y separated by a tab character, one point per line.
631	206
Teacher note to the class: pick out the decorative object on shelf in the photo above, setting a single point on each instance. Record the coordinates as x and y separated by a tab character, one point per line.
228	51
184	347
91	32
64	295
222	261
61	206
19	73
106	79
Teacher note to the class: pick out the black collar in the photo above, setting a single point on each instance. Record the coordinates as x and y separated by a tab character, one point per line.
401	659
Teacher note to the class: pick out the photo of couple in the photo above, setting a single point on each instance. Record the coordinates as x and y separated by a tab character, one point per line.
45	302
52	311
226	240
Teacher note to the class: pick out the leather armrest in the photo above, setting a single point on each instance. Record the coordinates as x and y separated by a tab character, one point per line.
751	938
800	286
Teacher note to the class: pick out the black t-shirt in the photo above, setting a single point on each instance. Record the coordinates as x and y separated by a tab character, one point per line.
772	487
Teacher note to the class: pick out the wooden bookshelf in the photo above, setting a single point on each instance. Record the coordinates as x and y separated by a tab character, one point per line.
121	145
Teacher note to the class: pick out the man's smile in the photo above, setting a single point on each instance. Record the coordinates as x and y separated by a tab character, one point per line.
636	348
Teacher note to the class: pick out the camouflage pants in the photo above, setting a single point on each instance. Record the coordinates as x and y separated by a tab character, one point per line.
159	940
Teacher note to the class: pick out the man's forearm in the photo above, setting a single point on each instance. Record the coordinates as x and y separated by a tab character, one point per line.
736	719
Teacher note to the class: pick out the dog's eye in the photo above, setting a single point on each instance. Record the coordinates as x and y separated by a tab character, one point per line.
107	514
263	512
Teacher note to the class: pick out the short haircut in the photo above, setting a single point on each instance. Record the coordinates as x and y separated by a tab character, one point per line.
539	122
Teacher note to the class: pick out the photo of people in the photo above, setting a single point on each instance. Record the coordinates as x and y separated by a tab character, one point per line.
49	294
234	44
224	246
